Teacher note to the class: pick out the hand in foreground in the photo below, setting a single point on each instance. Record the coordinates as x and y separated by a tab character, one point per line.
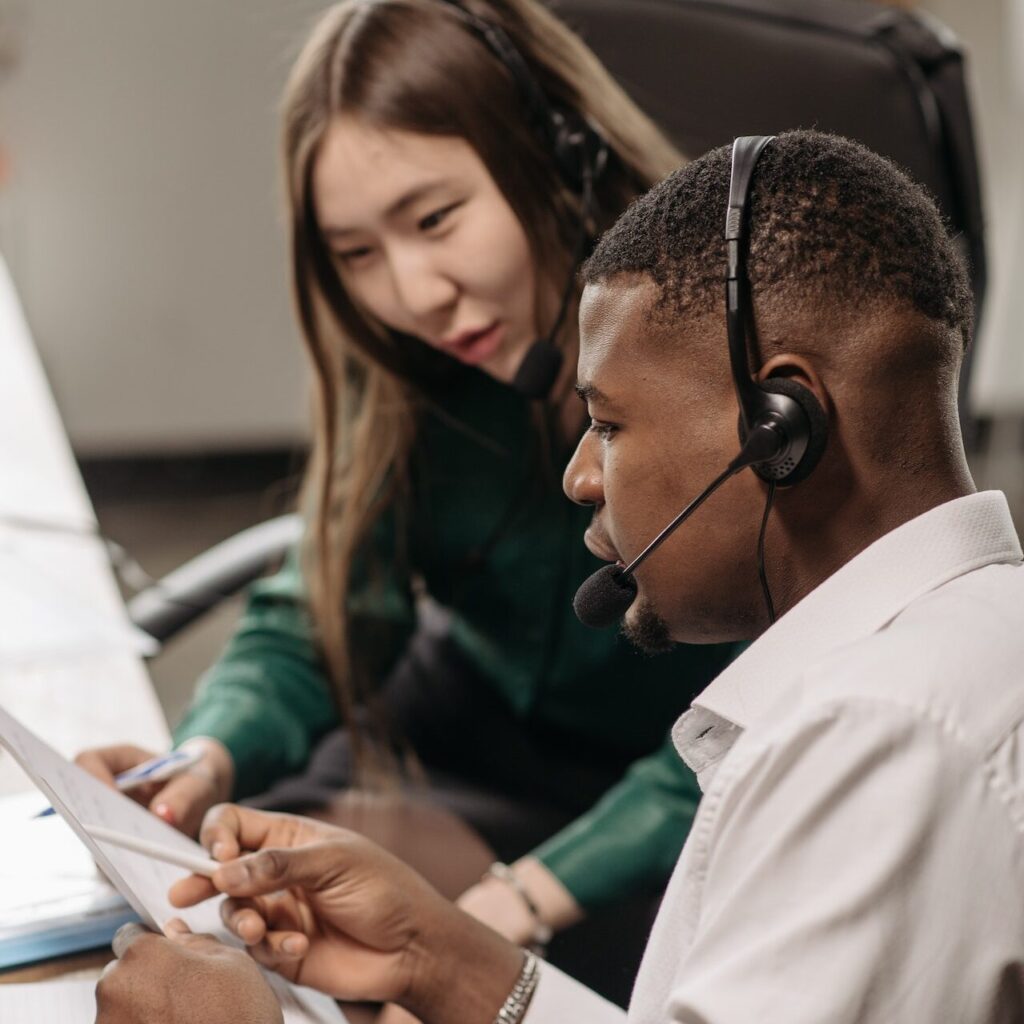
327	908
181	979
181	801
501	907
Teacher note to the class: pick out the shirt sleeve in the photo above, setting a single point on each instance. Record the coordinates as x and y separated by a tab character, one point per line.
856	868
559	998
630	840
268	698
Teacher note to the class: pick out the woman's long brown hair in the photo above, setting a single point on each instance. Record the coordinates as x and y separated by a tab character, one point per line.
414	65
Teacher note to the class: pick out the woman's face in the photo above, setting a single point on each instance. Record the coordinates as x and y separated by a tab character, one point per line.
426	243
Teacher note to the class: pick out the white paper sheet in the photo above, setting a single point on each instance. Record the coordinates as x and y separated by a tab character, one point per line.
48	1002
46	875
144	882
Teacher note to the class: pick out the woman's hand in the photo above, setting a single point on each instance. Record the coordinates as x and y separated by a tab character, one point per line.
181	979
181	801
327	908
500	905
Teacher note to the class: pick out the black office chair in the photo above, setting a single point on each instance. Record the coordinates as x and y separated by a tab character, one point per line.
166	607
709	70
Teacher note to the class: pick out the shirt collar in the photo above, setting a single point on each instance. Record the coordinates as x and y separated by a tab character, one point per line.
859	599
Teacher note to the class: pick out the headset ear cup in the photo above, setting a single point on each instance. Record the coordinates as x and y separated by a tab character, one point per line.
580	151
816	419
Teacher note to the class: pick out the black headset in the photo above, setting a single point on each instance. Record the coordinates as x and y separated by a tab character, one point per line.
788	409
782	426
580	151
580	155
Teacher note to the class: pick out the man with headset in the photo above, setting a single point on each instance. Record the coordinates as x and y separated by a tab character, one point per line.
859	851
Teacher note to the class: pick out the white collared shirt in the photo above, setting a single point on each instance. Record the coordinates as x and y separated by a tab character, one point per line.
858	855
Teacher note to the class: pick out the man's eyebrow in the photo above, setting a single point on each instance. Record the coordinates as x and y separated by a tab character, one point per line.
592	393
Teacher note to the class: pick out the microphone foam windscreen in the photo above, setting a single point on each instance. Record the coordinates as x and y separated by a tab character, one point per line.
538	371
604	597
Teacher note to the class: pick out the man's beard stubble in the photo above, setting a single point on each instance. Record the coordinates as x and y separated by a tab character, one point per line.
646	629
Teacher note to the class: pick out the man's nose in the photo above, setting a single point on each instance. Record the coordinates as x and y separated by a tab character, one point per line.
582	480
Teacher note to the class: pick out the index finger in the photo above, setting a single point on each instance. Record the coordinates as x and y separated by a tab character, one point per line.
229	830
106	762
187	892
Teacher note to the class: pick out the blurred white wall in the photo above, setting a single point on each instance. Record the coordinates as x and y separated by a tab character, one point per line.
141	221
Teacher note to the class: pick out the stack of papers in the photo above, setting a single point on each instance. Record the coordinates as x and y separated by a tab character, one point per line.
143	882
53	900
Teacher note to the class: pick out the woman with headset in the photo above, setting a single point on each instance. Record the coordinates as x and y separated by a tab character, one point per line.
446	166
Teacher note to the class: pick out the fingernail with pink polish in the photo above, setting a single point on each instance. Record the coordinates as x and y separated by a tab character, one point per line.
163	811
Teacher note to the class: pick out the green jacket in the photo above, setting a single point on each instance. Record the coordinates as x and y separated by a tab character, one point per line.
497	543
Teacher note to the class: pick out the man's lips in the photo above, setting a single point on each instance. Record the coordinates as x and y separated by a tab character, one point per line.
599	546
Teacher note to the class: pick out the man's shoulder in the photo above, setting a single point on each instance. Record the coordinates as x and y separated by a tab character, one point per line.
954	655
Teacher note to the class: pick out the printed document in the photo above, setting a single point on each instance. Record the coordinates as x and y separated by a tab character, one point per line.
143	882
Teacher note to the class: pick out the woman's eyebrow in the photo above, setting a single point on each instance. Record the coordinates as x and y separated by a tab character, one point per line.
401	204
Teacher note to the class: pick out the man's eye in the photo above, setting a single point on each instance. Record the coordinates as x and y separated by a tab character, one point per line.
603	430
433	220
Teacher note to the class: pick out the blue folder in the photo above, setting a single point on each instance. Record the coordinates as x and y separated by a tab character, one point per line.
53	900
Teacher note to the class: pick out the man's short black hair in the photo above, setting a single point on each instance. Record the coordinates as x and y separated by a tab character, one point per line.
831	223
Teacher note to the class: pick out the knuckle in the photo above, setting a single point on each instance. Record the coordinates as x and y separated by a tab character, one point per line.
106	990
126	938
271	863
215	821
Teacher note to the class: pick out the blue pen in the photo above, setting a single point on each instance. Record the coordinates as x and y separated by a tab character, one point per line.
157	769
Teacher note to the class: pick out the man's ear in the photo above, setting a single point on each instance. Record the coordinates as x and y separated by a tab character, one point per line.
800	370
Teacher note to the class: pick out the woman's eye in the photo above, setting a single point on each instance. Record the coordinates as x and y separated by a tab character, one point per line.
603	430
353	255
433	220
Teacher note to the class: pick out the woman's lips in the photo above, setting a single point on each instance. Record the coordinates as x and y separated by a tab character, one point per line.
476	347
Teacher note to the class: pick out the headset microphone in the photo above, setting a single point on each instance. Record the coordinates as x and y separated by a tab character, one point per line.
605	597
539	369
783	428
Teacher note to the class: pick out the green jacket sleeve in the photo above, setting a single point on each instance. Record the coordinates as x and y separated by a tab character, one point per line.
630	840
268	698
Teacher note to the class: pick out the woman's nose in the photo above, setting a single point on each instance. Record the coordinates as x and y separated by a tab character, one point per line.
421	286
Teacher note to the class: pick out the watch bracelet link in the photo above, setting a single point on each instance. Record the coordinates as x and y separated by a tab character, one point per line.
515	1006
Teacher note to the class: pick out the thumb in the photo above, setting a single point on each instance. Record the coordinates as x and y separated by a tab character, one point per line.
175	929
313	867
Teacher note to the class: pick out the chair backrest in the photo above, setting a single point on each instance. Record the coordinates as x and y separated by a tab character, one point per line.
709	70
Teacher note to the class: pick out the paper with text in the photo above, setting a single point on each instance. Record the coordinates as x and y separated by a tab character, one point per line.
144	882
